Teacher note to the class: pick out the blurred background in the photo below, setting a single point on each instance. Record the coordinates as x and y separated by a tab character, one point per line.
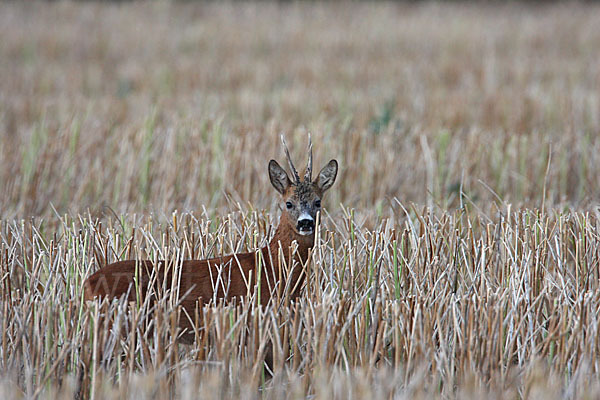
161	106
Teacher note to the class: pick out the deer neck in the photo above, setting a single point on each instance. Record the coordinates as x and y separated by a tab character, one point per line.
284	236
281	243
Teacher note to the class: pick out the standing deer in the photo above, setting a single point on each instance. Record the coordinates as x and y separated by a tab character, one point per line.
234	276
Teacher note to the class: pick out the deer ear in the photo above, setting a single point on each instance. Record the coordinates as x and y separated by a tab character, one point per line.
278	176
327	176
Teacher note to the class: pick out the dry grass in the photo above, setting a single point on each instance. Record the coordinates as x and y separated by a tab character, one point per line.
163	107
145	109
424	304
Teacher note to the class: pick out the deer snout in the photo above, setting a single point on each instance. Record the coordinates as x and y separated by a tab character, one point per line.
306	224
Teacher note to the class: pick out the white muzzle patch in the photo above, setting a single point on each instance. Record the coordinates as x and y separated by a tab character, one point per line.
306	224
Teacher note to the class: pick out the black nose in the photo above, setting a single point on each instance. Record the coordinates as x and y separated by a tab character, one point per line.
306	224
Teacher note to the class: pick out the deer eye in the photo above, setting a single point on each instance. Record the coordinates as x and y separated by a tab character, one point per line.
318	203
289	205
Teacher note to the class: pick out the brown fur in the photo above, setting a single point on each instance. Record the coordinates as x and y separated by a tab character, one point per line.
199	278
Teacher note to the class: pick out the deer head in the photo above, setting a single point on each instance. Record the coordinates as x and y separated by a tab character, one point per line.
301	197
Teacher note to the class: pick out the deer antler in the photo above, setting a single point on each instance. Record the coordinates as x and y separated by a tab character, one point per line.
287	153
308	173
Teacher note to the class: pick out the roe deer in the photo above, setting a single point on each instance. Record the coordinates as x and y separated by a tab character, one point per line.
235	274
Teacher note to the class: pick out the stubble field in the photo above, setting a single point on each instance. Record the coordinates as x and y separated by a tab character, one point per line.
458	254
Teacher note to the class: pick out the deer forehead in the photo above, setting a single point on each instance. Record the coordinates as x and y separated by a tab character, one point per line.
303	191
